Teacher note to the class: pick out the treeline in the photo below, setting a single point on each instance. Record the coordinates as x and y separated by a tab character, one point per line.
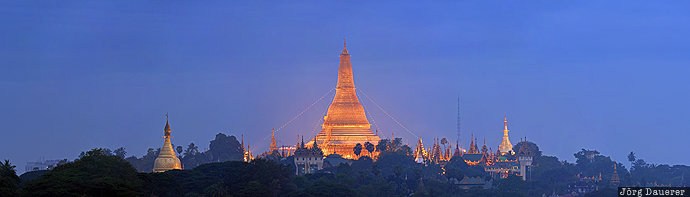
222	148
101	172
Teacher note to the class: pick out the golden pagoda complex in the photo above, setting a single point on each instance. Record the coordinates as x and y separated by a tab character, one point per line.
345	123
248	156
166	160
504	161
434	154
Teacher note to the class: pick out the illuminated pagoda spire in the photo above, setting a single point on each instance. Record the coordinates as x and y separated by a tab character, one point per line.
242	143
166	160
484	149
419	152
273	146
505	146
247	152
473	147
345	123
248	156
615	180
457	150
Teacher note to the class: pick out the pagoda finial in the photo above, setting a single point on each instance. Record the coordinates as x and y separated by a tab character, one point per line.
166	130
345	46
301	145
505	122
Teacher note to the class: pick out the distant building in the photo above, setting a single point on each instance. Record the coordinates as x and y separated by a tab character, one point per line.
43	165
504	161
308	160
335	160
470	182
167	160
286	151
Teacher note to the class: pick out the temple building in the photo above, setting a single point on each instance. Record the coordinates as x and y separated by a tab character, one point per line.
473	156
504	161
345	123
167	160
308	160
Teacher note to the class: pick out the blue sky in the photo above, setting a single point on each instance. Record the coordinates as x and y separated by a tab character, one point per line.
610	76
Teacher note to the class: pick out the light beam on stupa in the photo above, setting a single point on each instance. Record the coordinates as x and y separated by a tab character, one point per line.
345	123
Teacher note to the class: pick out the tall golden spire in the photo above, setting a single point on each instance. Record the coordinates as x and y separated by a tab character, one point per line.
505	146
273	146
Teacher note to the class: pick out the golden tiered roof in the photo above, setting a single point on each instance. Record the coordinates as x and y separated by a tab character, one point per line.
345	123
166	160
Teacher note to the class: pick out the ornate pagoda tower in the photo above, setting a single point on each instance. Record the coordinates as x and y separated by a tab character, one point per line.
273	146
167	160
505	146
345	123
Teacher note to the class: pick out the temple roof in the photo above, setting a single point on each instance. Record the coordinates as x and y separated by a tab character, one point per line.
473	157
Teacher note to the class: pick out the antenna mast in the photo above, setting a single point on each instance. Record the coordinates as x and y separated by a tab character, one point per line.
458	123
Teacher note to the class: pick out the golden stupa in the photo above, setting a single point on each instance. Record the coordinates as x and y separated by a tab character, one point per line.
506	147
345	123
167	160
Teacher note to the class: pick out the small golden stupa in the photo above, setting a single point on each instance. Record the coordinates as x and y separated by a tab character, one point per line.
167	160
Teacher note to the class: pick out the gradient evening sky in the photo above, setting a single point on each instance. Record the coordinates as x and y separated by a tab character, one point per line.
610	76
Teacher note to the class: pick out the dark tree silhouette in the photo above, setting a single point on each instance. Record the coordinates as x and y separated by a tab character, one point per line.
631	158
95	174
383	145
225	148
9	181
369	146
357	149
191	150
120	152
444	142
